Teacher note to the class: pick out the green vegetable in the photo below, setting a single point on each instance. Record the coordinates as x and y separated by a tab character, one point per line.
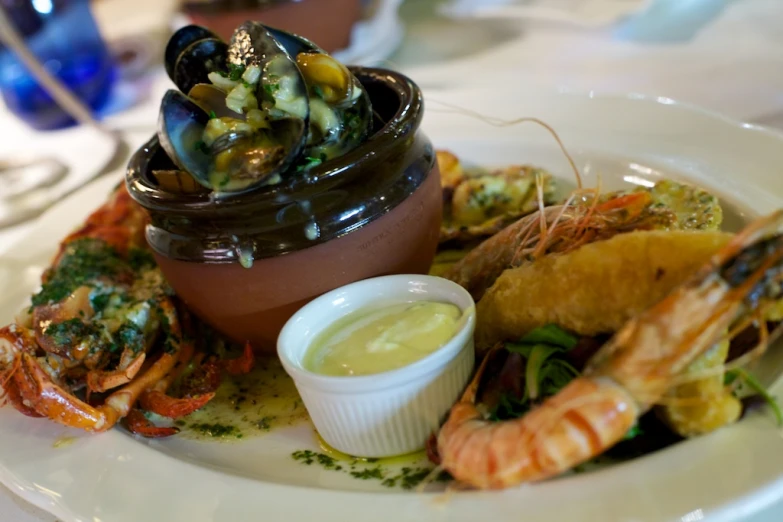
749	380
550	334
546	370
212	115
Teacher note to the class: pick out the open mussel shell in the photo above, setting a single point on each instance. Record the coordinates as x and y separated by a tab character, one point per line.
181	125
197	61
293	43
353	112
181	40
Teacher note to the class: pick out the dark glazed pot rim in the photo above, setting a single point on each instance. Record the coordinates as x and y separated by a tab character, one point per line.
220	224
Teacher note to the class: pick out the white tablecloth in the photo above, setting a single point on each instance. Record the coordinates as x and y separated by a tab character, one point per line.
732	64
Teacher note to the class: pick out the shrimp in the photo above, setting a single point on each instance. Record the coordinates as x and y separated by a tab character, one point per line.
625	378
554	229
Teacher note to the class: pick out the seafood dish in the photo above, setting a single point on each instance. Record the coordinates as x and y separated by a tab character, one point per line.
589	328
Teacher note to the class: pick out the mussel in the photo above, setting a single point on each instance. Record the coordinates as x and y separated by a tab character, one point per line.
248	125
263	105
340	108
191	54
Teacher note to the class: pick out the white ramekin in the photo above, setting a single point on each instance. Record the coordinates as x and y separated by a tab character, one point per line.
390	413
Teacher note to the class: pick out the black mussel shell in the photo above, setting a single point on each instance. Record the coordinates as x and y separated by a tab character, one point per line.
293	43
181	40
181	125
198	60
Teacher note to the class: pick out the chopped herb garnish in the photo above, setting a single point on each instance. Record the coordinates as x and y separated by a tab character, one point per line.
306	456
235	72
367	474
140	258
318	91
83	263
212	115
309	162
201	146
130	336
71	331
271	88
216	430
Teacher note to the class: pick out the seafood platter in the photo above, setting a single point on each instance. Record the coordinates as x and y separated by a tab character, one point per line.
295	294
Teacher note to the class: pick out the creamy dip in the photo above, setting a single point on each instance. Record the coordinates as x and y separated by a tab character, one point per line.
374	341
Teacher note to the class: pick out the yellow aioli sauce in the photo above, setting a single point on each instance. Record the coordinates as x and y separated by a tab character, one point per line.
374	341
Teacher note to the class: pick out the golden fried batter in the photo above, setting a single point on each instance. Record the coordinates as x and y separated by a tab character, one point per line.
594	289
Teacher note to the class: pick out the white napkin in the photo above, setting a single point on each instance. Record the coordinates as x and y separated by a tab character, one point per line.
583	13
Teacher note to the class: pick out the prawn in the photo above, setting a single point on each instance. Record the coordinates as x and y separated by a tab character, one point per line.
555	229
625	378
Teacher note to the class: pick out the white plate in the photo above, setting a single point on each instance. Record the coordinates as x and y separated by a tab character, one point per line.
723	476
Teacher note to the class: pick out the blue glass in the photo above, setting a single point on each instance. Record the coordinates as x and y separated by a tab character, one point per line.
64	37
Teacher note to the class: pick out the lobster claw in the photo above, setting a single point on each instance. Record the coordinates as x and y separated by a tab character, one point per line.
138	424
242	364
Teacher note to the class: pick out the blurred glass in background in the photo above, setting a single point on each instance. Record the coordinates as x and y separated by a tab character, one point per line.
64	37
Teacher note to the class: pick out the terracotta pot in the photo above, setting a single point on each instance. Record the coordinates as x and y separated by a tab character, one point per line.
377	209
328	23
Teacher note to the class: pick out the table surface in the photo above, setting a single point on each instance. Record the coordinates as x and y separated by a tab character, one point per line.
732	64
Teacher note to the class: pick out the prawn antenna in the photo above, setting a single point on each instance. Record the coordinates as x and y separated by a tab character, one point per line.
499	122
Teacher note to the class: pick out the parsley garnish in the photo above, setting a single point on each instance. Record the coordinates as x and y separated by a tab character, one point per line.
235	72
140	258
83	263
212	115
309	162
271	88
70	332
131	337
201	146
